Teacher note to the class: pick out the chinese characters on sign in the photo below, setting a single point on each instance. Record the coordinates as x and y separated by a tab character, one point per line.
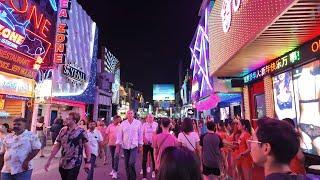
281	63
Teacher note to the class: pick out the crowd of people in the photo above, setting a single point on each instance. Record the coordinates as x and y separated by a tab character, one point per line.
171	149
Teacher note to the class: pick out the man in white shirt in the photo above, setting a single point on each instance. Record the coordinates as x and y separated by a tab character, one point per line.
19	148
149	128
95	142
130	138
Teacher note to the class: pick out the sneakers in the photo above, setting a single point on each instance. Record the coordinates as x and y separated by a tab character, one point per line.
112	173
148	169
141	172
153	174
115	175
144	179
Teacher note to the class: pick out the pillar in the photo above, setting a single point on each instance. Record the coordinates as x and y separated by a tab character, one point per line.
268	90
246	102
34	116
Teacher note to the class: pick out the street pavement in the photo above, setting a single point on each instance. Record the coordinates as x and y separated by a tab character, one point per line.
101	171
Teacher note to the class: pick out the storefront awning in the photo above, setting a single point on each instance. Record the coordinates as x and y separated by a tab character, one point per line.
259	32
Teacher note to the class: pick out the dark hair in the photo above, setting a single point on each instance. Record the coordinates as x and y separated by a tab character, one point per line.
24	120
41	119
75	116
187	125
58	121
179	163
211	126
116	117
290	121
6	126
165	122
281	136
91	121
246	124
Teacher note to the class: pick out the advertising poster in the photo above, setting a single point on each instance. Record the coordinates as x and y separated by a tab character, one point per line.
306	81
163	92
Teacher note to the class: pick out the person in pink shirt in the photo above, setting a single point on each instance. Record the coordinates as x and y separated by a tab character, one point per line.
102	128
163	140
111	137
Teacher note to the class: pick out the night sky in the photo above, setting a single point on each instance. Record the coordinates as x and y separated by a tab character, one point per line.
148	37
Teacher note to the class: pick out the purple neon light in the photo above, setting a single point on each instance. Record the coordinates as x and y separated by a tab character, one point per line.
200	66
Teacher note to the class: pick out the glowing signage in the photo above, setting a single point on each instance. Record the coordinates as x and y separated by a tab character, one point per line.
226	14
315	46
73	52
279	64
74	73
4	114
14	85
61	37
24	29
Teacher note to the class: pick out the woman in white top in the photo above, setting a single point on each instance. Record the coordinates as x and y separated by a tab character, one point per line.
188	137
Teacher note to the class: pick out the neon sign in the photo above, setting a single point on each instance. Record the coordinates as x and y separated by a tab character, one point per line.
14	85
25	30
226	13
61	37
74	73
279	64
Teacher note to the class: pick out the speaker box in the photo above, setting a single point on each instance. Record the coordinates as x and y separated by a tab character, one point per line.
237	83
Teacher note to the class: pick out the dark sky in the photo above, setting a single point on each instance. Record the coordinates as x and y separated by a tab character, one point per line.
149	37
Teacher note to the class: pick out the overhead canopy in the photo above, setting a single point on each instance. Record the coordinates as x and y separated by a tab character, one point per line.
259	32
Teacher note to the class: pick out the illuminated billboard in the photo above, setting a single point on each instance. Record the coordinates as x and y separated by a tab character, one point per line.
26	32
112	65
163	92
74	50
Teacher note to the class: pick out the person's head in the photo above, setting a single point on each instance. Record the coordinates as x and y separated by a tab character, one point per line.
179	163
4	128
290	121
41	120
116	119
244	125
187	125
130	115
211	126
19	125
58	121
72	119
221	126
92	125
194	124
274	141
165	123
149	118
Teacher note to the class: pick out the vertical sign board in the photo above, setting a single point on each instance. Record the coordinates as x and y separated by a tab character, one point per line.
73	52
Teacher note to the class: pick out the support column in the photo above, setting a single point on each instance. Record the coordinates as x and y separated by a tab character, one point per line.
268	90
34	116
96	105
246	102
47	114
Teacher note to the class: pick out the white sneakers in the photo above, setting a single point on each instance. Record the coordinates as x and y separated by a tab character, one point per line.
141	172
112	172
144	179
115	175
153	174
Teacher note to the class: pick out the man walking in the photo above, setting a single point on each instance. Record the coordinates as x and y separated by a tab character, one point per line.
149	129
130	138
72	139
19	148
95	141
112	132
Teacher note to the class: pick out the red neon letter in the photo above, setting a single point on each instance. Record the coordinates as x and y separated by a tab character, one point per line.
63	13
35	17
24	7
62	28
64	4
45	27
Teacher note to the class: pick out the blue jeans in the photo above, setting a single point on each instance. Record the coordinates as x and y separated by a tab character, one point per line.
26	175
93	163
130	163
114	157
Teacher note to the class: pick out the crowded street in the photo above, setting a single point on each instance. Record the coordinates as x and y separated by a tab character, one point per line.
160	90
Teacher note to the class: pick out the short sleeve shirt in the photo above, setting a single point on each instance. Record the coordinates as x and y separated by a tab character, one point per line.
16	149
94	138
72	143
189	140
148	129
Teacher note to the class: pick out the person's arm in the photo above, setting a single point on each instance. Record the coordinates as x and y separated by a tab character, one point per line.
54	151
119	139
31	155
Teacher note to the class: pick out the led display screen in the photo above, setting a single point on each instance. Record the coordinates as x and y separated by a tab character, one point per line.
163	92
306	81
284	96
